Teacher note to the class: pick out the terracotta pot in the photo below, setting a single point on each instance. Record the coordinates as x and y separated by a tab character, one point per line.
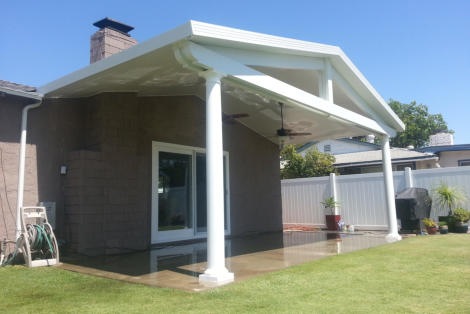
431	230
332	222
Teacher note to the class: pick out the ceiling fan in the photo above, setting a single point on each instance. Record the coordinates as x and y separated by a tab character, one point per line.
284	133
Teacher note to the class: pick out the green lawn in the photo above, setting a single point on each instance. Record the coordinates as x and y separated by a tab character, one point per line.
426	274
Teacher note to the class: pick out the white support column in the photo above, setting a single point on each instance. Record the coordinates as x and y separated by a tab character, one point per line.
326	83
333	191
389	191
216	271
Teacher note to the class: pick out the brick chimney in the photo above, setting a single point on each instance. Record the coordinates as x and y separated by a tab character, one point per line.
112	37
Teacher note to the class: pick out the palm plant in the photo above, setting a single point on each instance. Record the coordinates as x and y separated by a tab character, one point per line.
448	197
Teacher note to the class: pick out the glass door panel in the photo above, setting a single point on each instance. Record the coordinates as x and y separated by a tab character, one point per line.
174	192
201	193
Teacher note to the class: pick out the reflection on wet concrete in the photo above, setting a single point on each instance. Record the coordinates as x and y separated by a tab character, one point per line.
179	265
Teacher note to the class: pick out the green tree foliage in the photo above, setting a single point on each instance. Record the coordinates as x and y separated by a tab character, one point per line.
314	164
420	124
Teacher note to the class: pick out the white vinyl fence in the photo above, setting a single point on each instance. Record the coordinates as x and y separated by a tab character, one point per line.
361	196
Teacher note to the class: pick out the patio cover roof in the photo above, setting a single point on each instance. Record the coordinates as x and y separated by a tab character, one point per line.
259	72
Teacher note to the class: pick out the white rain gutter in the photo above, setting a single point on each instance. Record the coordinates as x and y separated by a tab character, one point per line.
22	158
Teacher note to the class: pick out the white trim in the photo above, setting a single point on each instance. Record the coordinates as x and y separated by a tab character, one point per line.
193	233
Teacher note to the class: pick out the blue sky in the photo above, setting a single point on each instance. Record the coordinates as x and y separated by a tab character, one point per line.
408	50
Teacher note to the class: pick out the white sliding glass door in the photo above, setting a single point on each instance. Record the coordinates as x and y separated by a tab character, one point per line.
179	210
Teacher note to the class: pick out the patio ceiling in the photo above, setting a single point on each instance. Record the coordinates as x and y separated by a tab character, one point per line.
169	65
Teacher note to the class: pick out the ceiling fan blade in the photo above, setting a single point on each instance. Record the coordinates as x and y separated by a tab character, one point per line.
299	133
230	118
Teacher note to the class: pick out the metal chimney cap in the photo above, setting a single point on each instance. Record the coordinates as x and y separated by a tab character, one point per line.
113	24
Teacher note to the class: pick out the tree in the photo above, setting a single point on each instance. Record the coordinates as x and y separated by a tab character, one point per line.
420	124
314	164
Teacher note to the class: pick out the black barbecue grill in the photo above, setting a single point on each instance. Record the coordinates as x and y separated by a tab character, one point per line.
412	204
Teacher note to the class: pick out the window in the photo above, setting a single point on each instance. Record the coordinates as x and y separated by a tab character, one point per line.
327	148
464	162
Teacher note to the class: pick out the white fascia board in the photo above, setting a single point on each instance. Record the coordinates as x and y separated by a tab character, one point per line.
14	92
210	33
202	59
177	34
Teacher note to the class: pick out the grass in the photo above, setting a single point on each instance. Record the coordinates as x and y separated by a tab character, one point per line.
428	274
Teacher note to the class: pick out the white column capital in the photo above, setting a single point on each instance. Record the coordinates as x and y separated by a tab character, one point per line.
385	140
211	76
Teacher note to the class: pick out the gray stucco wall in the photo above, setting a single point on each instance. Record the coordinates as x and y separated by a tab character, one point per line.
104	201
10	126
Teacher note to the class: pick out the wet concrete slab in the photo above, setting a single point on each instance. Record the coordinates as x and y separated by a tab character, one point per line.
179	265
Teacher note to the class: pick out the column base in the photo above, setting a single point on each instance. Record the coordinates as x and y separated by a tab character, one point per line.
393	237
217	278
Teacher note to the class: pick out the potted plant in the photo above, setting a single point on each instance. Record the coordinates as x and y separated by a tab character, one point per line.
332	217
443	228
461	217
431	225
446	198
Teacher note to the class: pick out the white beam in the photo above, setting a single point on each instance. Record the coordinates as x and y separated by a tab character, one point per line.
216	271
389	191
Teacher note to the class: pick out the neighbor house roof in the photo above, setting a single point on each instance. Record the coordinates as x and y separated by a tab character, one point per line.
375	157
20	90
445	148
259	72
309	145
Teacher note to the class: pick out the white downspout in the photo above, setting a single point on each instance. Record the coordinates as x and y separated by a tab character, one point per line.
21	167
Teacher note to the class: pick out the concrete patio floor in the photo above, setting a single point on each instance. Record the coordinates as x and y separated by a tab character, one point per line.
179	265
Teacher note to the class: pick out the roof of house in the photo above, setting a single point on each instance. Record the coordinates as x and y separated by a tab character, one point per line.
16	86
258	71
348	140
20	90
445	148
375	157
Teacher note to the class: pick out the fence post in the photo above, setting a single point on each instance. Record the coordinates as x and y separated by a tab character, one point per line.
333	190
408	178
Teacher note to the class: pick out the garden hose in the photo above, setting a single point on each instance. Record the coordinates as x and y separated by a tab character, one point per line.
40	241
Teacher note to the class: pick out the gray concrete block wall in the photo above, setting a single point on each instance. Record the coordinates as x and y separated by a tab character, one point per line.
104	201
